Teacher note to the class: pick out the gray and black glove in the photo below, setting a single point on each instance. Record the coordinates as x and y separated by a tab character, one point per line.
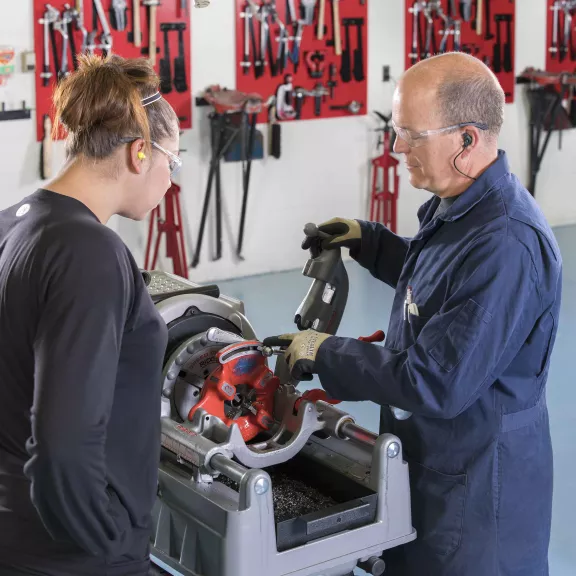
300	354
337	233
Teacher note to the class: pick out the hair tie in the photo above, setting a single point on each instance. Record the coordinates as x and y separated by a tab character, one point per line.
151	99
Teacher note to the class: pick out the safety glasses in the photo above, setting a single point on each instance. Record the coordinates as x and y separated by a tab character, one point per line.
416	139
174	162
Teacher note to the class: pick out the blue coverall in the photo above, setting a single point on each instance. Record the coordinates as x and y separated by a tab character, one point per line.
472	368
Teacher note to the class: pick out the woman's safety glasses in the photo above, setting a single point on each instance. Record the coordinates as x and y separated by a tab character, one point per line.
175	162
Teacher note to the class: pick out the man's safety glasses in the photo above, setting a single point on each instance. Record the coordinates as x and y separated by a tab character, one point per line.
415	139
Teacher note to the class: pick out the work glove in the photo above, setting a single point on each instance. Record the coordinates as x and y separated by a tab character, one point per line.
301	351
337	233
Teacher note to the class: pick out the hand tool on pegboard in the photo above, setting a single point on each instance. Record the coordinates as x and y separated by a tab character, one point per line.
169	226
552	108
63	30
439	26
306	40
561	51
385	186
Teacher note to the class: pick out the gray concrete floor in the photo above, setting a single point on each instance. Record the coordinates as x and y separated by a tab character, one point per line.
271	301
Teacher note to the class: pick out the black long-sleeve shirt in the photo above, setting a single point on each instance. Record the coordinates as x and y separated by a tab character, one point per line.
81	348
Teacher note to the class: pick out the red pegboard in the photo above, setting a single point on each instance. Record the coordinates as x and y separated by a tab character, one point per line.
350	79
500	57
122	44
560	58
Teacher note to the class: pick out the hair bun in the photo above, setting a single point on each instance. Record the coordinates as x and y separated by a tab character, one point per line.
104	92
101	103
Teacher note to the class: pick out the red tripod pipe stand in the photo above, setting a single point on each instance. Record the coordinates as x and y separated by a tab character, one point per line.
385	180
172	227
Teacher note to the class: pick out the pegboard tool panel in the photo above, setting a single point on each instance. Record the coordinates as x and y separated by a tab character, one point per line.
310	54
62	30
483	28
560	45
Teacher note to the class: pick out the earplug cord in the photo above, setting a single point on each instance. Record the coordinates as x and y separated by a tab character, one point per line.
456	158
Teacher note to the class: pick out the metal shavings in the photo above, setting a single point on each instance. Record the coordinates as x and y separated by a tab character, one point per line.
292	498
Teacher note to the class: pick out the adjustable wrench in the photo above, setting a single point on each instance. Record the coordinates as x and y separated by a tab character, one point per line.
118	10
50	16
308	7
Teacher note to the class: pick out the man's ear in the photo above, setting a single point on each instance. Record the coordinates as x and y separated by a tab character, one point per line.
138	155
471	139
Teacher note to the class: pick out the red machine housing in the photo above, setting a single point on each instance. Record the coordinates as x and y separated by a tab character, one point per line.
241	364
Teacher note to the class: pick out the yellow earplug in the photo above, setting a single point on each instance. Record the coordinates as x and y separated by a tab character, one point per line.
141	155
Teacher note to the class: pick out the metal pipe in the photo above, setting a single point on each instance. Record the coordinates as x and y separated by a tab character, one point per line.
229	468
358	434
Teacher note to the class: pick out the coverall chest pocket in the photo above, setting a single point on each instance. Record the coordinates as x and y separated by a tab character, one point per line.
461	335
438	502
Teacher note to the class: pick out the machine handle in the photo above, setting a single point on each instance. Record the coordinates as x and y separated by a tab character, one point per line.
341	515
314	396
378	336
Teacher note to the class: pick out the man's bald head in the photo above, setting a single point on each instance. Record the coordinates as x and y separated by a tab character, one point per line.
464	89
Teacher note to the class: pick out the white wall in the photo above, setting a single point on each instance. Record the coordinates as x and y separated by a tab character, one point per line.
323	171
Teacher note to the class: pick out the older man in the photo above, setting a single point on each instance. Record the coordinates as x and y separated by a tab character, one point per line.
472	328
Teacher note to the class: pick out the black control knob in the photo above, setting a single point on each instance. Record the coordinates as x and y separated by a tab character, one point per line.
374	566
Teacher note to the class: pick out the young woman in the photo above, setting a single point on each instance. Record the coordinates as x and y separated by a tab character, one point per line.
81	344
